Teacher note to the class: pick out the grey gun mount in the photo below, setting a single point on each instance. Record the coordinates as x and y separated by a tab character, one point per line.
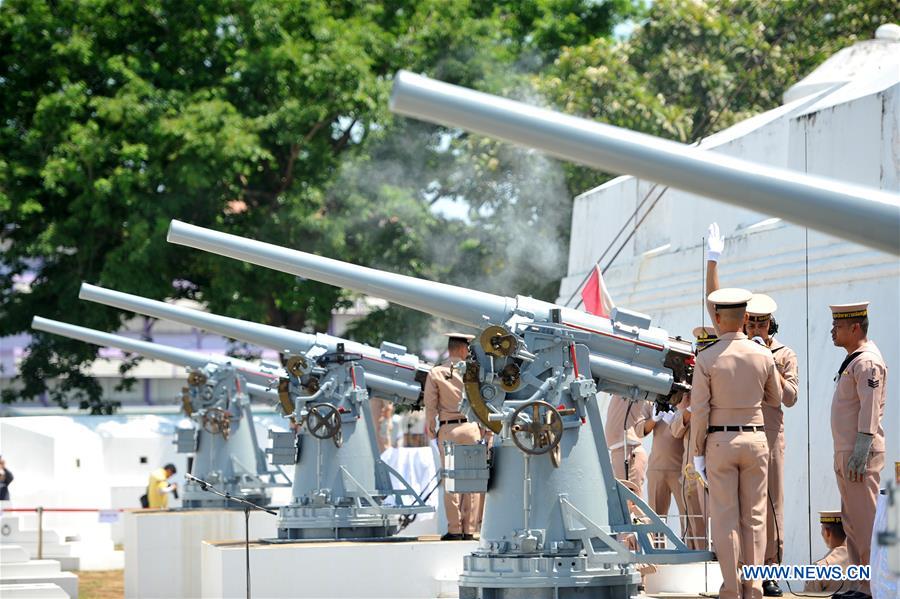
225	445
553	508
391	372
627	355
342	488
223	439
864	215
555	520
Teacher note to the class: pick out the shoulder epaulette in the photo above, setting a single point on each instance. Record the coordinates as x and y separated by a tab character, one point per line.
707	346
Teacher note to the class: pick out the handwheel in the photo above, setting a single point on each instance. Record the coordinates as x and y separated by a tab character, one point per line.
536	427
324	422
217	420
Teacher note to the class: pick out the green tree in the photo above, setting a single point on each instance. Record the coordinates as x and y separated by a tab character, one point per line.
695	67
250	117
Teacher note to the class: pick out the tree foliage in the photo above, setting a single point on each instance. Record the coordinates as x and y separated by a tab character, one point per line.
694	67
267	119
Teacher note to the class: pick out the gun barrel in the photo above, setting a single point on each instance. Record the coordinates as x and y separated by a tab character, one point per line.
867	216
262	391
388	373
445	301
263	335
156	351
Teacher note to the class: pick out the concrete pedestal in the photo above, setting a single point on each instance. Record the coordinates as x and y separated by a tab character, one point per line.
71	550
162	548
25	578
401	569
685	579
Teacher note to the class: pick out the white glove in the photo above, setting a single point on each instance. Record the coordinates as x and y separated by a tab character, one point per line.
700	468
657	415
715	243
669	417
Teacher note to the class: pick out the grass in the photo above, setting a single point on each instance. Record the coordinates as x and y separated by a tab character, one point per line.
101	584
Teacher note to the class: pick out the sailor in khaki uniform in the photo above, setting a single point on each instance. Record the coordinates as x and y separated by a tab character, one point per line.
733	378
443	394
836	540
664	467
692	487
624	429
761	327
857	409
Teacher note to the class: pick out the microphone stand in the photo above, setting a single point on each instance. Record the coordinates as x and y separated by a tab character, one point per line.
248	505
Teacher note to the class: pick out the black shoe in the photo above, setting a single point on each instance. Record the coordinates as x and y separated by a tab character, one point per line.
468	537
452	536
771	589
851	595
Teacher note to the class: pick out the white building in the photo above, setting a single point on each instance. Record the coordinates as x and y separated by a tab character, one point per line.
843	122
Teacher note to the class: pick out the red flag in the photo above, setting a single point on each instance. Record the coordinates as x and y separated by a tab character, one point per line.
595	296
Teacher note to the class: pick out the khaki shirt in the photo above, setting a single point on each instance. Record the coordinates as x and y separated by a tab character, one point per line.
443	394
615	421
858	402
681	429
667	451
733	378
786	363
835	557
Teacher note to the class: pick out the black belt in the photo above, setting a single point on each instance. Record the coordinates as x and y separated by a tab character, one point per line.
735	429
457	421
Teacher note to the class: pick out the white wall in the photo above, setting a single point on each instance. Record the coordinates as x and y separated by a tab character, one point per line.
95	462
853	134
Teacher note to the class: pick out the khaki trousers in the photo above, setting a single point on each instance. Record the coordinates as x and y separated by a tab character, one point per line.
737	469
637	464
858	501
463	509
694	499
662	485
775	503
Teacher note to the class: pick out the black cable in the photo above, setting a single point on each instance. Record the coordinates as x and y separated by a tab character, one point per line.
625	440
247	546
611	243
788	582
408	519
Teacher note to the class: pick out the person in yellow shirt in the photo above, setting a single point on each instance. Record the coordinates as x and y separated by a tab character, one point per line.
159	487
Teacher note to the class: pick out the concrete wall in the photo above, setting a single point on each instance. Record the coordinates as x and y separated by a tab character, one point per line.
851	133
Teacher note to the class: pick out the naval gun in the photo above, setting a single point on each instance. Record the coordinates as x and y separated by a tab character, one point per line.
865	215
342	489
556	521
222	441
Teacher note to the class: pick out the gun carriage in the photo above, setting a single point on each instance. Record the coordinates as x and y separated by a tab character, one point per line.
222	440
342	489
